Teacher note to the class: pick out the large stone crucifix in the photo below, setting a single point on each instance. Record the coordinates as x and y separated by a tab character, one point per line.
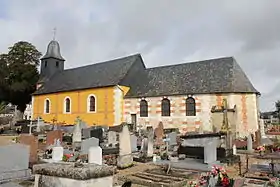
225	124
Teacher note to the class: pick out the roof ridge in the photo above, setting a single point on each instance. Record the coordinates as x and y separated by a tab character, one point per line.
107	61
192	62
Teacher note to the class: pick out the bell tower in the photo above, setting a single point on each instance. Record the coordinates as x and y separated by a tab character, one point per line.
52	62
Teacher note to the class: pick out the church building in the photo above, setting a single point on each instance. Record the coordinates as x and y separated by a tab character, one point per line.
124	90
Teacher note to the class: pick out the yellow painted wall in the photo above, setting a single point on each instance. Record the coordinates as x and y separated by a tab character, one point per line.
104	114
125	89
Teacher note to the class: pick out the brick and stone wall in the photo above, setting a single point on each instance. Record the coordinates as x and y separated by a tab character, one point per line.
245	118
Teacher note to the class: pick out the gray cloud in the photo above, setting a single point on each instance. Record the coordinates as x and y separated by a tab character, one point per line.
163	31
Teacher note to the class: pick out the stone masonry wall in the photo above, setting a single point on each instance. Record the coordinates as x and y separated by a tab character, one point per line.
246	114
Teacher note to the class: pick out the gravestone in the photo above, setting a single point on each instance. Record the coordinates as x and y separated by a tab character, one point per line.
173	138
125	158
57	152
144	146
133	142
86	132
95	155
249	143
86	144
77	133
32	142
97	133
112	137
54	135
234	149
210	152
258	137
14	162
159	133
262	130
150	150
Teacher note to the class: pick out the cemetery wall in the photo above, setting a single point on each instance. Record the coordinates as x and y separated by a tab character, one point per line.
104	114
246	116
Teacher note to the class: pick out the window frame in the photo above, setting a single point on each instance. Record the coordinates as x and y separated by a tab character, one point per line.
144	113
88	103
65	105
165	113
191	112
45	106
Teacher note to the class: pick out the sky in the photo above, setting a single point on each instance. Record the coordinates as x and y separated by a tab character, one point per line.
163	31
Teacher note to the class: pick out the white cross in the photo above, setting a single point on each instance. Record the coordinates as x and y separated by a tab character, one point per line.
30	126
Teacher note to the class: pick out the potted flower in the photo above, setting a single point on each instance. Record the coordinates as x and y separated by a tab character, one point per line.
261	150
192	184
217	177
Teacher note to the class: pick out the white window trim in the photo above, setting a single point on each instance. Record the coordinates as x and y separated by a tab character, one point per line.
64	105
88	104
45	106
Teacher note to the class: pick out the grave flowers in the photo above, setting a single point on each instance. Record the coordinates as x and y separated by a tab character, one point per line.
193	184
261	150
274	182
217	177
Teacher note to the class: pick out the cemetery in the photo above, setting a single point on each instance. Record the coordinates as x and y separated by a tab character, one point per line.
79	155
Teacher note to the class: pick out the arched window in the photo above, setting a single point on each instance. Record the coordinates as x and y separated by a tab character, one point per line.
91	103
67	103
47	106
165	107
143	108
190	107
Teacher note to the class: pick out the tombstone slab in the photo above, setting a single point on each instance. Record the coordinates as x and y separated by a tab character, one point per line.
14	162
133	142
57	154
86	144
210	152
95	155
62	174
125	158
249	143
54	135
31	141
150	150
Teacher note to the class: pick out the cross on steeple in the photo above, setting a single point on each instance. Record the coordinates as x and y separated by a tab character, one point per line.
54	33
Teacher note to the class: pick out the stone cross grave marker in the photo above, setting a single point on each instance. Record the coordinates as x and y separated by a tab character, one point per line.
249	143
31	125
125	158
159	133
226	126
77	133
95	155
32	142
40	123
88	143
133	142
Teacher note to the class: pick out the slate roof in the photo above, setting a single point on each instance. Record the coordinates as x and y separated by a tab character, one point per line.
222	75
104	74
